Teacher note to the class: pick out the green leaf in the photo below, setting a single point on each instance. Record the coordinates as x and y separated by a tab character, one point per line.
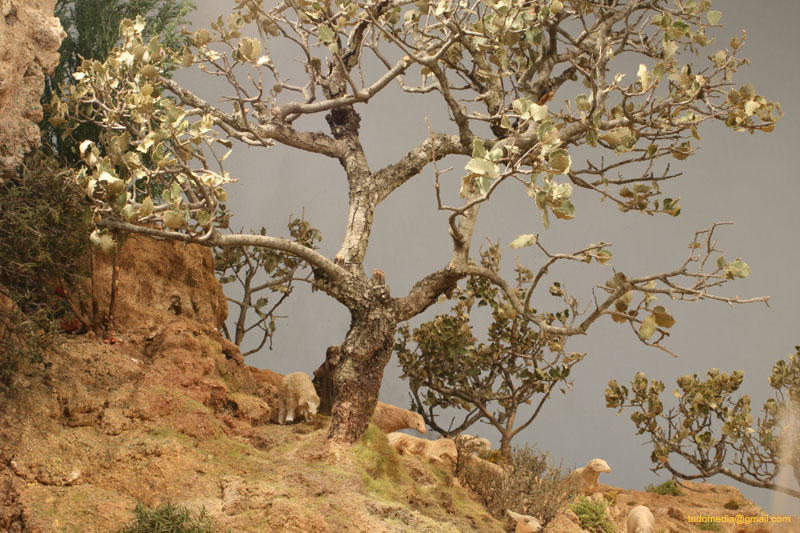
104	241
172	219
523	240
560	161
663	318
203	218
482	167
669	50
714	17
603	256
484	184
146	207
249	49
737	269
565	211
648	327
478	149
149	71
326	35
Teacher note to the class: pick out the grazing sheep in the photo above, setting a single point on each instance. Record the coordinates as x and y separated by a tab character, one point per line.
390	418
480	465
476	444
586	477
640	520
297	397
525	523
433	450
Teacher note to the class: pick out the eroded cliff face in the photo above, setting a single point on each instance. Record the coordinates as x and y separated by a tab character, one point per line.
29	40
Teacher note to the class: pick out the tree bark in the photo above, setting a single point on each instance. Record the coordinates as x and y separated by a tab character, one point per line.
365	353
505	448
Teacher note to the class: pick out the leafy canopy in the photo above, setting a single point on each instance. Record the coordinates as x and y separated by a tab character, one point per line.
714	430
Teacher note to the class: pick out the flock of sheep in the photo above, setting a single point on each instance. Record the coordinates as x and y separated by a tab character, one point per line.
297	398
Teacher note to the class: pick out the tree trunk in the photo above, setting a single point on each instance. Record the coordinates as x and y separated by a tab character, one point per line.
505	448
365	353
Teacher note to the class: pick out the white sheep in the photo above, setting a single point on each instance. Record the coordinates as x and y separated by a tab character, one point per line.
433	450
297	397
525	523
586	477
641	520
482	465
390	418
475	444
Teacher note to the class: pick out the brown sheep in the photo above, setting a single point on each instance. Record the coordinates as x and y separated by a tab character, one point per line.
586	477
433	450
390	418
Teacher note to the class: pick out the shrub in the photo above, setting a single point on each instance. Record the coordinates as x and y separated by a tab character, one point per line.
43	246
668	488
592	515
43	233
731	504
530	484
23	340
709	526
168	518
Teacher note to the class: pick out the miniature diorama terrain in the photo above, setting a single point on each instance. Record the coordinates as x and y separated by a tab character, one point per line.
170	414
130	307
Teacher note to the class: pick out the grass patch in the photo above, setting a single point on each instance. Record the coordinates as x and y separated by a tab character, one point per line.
592	515
709	526
168	518
668	488
379	461
731	504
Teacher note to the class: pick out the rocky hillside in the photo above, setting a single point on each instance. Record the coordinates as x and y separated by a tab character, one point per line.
29	39
167	411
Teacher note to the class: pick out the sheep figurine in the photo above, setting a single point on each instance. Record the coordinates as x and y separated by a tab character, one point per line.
640	520
297	398
475	444
433	450
586	477
525	523
390	418
482	465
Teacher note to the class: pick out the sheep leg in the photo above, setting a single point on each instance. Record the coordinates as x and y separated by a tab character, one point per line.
282	413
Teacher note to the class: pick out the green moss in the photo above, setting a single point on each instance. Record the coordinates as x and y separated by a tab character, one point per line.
593	516
668	488
379	461
731	504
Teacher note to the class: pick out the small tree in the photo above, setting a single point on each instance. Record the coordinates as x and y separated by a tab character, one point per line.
714	431
492	65
491	381
248	265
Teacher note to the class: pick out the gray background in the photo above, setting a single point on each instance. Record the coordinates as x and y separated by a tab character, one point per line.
751	180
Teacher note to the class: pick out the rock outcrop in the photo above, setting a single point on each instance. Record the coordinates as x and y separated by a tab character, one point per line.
29	39
159	281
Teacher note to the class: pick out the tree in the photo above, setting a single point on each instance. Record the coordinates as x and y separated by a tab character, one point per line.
494	64
713	431
243	264
92	31
493	381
